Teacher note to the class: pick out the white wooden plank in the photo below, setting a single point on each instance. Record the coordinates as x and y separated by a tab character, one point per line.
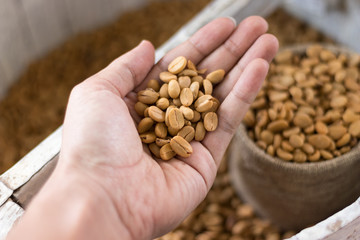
5	193
86	14
345	224
16	45
9	213
48	22
343	28
114	8
3	82
29	165
239	9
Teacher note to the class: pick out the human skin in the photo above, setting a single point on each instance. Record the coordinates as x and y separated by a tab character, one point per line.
106	184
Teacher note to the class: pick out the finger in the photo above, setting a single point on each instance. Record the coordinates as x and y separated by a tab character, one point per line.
234	107
127	71
236	45
265	47
198	46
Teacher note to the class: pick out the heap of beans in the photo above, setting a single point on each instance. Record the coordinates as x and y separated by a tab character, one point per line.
309	107
178	111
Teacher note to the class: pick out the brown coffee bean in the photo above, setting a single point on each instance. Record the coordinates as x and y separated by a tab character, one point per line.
147	96
146	112
277	141
191	65
320	141
161	130
270	150
287	146
176	102
188	72
167	114
177	65
215	106
302	120
198	79
284	154
163	103
140	108
314	50
186	97
197	117
321	127
345	149
267	137
148	137
326	154
314	157
154	84
173	131
161	142
199	131
200	94
296	141
343	140
296	92
276	96
145	124
184	82
166	77
216	76
308	148
249	118
154	149
354	129
187	132
166	152
350	116
208	87
194	87
261	144
278	125
174	89
272	114
204	103
299	156
337	131
287	133
210	121
163	92
176	119
156	114
339	101
187	112
180	146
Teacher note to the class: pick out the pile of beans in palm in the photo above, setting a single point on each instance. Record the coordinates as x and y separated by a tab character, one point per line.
309	107
179	110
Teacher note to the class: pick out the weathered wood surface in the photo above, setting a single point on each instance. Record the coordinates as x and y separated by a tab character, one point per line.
15	44
48	23
9	213
5	193
25	194
29	165
337	18
342	225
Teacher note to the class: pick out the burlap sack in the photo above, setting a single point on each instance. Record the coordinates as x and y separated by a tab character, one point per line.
293	195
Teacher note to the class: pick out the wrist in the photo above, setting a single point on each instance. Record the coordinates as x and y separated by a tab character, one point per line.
71	207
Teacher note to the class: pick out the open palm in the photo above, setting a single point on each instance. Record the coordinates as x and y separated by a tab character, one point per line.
100	139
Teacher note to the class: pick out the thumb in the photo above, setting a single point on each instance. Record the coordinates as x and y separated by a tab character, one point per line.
127	71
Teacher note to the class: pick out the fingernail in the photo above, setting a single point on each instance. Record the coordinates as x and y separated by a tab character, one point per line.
232	19
142	41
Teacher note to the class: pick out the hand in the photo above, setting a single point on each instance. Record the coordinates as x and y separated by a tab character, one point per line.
102	153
